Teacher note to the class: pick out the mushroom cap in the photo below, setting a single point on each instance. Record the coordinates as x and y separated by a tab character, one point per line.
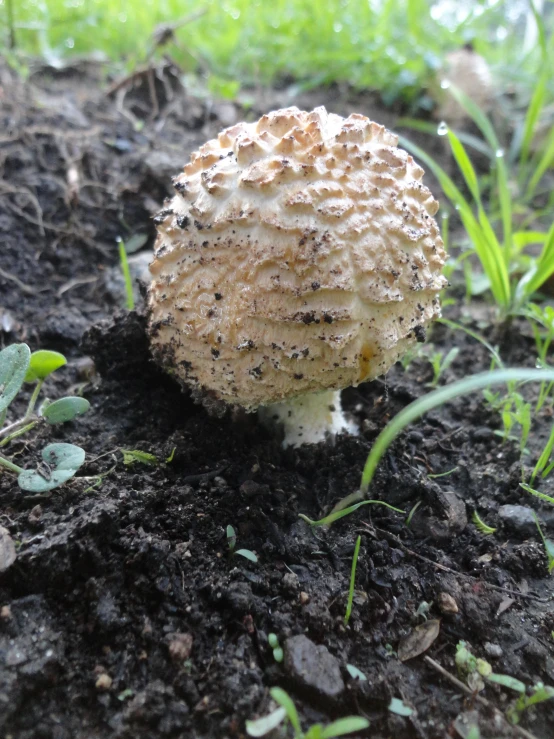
299	254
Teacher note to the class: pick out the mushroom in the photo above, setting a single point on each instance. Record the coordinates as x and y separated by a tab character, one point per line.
298	257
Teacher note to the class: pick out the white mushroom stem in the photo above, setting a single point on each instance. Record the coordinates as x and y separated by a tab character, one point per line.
310	418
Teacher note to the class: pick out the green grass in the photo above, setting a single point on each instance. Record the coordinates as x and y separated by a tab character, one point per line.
393	46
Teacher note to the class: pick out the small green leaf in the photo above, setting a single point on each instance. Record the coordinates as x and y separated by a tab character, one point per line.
272	640
398	707
135	455
43	363
507	682
355	673
65	409
169	459
14	361
264	725
343	726
278	654
61	462
127	693
247	554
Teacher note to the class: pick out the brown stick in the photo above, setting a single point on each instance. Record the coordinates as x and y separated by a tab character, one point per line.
479	699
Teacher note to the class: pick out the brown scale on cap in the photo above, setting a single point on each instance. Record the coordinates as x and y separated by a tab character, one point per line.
299	254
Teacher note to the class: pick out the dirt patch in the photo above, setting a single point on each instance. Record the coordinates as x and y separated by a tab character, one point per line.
124	614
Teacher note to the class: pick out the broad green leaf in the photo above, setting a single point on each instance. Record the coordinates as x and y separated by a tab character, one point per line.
14	361
263	726
43	363
343	726
135	455
507	682
65	409
61	462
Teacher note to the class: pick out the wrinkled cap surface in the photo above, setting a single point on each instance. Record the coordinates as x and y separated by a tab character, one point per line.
300	253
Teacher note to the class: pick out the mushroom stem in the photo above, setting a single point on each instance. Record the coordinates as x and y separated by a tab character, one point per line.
309	419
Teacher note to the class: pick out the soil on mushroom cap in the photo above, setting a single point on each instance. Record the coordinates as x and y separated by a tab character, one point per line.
124	615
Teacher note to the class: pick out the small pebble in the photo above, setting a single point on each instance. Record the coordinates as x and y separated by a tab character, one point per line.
493	650
313	668
103	682
482	433
519	518
304	598
447	604
290	582
180	647
35	514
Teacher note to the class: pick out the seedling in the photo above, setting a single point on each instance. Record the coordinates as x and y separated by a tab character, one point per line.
536	493
400	708
352	581
130	456
544	464
337	514
232	541
475	671
273	642
548	546
515	412
124	262
441	363
60	462
356	674
287	713
499	258
481	525
541	319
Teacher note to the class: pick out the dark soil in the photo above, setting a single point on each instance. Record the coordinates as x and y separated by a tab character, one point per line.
124	614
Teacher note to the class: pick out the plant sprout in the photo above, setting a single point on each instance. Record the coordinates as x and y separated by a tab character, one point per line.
273	642
60	461
548	545
232	541
124	262
352	581
287	712
481	525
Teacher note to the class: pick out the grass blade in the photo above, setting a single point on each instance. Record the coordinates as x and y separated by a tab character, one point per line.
545	162
480	232
533	114
542	268
129	298
437	398
352	581
465	165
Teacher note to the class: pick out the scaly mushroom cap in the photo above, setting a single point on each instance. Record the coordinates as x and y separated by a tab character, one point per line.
299	254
